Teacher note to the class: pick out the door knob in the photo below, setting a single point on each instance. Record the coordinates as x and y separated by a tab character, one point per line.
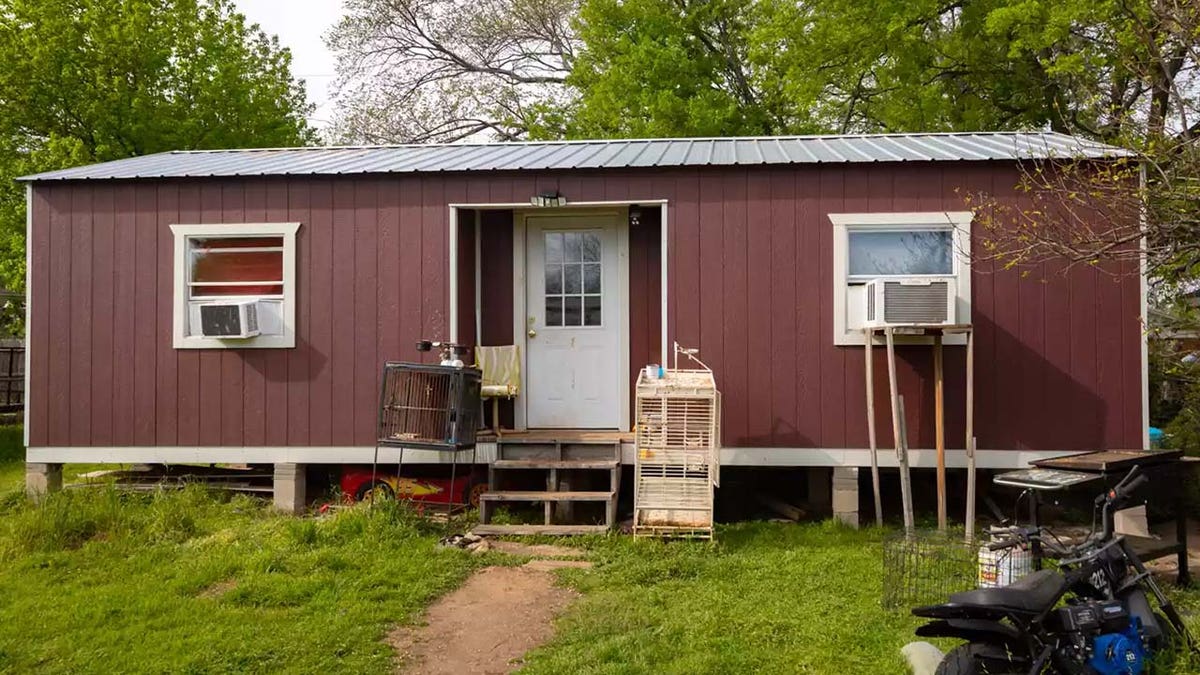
532	333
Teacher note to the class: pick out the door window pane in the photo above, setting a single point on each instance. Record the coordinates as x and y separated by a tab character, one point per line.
591	310
574	251
591	247
573	279
554	311
874	254
572	310
591	278
554	246
554	281
572	283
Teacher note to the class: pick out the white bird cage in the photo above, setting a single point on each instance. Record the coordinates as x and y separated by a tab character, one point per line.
678	452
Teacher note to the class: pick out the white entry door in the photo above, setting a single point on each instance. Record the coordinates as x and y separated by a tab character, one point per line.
575	321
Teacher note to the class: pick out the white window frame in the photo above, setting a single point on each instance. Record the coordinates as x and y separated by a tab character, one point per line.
286	340
958	222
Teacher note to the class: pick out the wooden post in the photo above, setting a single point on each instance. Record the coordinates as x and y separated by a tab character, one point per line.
898	433
939	424
970	423
869	368
905	476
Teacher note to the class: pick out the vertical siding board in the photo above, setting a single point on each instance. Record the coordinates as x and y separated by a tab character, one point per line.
813	326
366	284
388	263
211	370
1085	416
177	417
411	235
341	359
61	341
781	292
733	279
683	259
146	308
320	240
1131	355
102	315
275	361
123	353
711	297
762	309
80	304
1109	385
40	339
1006	379
978	180
233	389
835	186
299	194
254	380
434	261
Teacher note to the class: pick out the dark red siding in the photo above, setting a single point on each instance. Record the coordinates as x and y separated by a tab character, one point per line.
750	284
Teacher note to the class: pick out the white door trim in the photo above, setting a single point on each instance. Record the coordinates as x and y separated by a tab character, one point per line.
521	405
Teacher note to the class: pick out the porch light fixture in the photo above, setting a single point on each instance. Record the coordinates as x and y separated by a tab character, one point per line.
635	215
548	198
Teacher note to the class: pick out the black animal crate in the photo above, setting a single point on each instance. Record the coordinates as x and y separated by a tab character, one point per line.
430	407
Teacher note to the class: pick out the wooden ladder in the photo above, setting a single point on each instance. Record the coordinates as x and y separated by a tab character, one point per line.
552	457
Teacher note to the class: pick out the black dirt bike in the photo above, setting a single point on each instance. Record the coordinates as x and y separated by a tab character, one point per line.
1106	625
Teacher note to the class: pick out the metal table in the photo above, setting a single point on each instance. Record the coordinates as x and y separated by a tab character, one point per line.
1064	472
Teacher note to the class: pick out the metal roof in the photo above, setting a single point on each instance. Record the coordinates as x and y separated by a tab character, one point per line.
607	154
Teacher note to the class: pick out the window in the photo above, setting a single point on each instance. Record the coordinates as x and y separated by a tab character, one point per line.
873	245
236	263
573	279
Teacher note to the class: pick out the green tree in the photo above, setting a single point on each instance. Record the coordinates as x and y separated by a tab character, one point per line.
1110	69
96	80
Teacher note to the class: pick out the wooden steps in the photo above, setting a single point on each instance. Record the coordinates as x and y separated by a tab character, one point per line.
569	461
525	530
545	496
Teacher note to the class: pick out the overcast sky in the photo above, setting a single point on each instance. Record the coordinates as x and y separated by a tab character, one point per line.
301	26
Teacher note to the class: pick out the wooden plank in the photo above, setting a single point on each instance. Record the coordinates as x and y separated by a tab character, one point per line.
170	396
299	196
970	439
365	364
810	292
58	340
939	425
782	274
525	530
38	338
210	373
735	320
554	464
319	304
835	184
341	356
124	307
79	311
275	360
101	363
145	302
540	496
869	370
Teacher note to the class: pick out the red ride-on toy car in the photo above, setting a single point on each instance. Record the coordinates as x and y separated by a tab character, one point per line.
357	484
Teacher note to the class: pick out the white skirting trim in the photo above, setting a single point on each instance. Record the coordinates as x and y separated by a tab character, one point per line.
486	452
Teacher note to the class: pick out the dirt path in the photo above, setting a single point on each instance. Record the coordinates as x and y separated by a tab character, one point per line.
488	624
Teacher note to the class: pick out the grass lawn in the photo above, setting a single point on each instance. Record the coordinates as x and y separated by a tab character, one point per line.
192	581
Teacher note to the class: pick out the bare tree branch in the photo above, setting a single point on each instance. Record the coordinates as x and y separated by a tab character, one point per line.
444	70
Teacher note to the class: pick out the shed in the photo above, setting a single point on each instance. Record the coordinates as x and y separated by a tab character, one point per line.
593	257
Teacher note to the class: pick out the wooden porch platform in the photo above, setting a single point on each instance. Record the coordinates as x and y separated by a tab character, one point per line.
579	436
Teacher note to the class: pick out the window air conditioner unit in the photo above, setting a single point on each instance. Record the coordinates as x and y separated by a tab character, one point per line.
234	319
910	301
